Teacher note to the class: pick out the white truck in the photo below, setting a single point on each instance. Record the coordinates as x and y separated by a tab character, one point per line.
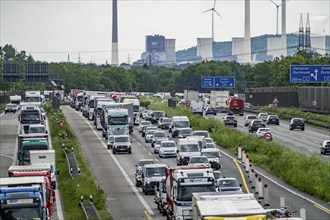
33	96
91	106
151	175
15	99
99	110
181	183
45	157
48	95
219	100
131	99
226	205
191	95
197	107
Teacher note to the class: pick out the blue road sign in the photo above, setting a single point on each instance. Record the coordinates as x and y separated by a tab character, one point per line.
309	74
224	82
207	82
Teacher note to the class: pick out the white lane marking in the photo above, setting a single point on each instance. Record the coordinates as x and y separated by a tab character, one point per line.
2	114
138	143
144	203
150	154
296	145
5	155
276	183
303	137
316	142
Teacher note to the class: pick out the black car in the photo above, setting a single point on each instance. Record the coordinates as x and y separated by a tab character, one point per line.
297	123
325	147
230	120
272	119
256	124
210	111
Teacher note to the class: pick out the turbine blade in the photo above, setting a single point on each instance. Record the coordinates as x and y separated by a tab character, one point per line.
217	13
274	3
214	3
208	10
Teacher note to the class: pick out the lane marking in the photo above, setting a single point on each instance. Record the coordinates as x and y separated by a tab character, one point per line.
135	190
287	189
322	208
242	176
2	114
147	215
5	155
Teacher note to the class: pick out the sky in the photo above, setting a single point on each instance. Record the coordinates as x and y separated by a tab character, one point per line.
53	29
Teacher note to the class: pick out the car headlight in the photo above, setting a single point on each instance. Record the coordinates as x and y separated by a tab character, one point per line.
182	157
148	182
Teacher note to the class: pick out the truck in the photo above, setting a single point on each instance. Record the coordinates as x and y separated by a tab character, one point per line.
29	115
15	99
98	107
181	183
235	106
160	197
23	198
45	158
33	96
219	100
98	110
30	142
37	171
131	99
190	95
151	175
48	95
197	107
226	205
91	106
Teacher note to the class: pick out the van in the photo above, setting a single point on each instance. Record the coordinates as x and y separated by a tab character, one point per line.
186	149
179	122
200	139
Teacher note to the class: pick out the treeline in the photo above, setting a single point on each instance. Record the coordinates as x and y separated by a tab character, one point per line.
164	79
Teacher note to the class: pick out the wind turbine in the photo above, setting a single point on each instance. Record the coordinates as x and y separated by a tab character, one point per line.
277	6
213	10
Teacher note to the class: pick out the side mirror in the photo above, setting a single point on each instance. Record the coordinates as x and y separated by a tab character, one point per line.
57	172
136	174
177	151
136	165
46	132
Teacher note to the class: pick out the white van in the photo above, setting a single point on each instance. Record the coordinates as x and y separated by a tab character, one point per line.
186	149
179	122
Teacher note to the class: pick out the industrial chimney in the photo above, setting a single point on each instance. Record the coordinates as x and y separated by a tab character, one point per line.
114	49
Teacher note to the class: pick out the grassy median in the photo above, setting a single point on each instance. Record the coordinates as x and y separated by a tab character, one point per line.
309	174
83	185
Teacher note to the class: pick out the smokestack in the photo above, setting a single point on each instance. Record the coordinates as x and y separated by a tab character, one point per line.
114	49
284	27
247	34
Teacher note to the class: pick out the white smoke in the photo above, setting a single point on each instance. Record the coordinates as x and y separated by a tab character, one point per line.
319	24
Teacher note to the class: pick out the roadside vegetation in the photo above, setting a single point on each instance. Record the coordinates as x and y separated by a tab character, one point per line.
84	185
288	113
309	174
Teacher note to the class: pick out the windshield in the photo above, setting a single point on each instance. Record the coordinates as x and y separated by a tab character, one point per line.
252	117
210	145
91	104
201	133
159	134
118	120
159	114
121	139
21	213
198	160
155	171
168	144
10	106
143	162
210	154
167	120
185	192
209	140
185	131
144	123
181	124
189	148
228	183
151	131
258	123
33	99
37	130
135	108
30	117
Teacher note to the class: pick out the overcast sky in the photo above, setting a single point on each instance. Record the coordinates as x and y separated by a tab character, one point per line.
52	29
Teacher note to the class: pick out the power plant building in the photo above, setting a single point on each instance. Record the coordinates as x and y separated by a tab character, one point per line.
318	44
204	48
274	47
237	48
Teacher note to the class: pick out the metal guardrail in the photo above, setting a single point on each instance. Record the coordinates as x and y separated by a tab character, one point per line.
89	208
71	158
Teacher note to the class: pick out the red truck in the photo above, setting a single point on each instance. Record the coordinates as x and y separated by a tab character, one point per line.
236	106
40	170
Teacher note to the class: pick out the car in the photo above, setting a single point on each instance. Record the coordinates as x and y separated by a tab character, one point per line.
209	140
217	175
213	156
37	128
247	105
263	116
272	119
143	162
230	120
142	124
121	143
201	133
297	123
164	123
210	145
210	111
158	135
199	160
148	136
145	114
43	113
248	119
157	145
325	147
146	128
138	177
167	149
11	108
228	184
255	124
264	133
185	132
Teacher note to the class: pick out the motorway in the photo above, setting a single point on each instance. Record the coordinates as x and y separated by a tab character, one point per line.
115	174
308	141
9	128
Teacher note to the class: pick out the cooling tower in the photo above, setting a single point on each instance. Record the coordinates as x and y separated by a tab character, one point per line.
274	47
237	48
204	48
170	50
318	44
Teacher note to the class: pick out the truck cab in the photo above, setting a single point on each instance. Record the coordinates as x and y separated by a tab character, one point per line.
30	142
179	122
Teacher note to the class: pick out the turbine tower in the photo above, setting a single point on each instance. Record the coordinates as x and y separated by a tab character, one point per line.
284	28
114	49
213	10
277	6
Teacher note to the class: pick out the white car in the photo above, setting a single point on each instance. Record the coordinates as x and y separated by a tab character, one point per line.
167	149
157	145
263	116
264	133
144	123
199	160
248	119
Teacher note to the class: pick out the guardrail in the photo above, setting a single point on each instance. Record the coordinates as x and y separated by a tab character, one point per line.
89	208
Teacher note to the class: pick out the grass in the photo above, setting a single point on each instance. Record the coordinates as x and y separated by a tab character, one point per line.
83	185
308	174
